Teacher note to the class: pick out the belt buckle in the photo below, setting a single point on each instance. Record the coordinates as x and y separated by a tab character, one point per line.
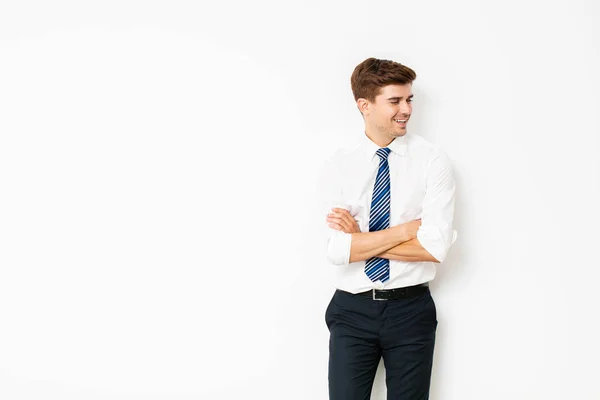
374	298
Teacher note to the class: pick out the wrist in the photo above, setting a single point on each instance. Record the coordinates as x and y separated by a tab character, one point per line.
401	233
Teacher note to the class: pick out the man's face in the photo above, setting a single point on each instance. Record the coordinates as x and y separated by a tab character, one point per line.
387	117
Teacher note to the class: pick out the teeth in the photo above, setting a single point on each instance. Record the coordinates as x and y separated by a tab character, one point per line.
400	120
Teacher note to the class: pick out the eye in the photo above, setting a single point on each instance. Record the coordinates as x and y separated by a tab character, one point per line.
394	102
409	100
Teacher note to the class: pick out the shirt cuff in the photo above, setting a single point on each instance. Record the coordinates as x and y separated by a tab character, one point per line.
433	241
338	247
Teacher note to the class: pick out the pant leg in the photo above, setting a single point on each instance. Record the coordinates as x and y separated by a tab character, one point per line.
408	340
354	350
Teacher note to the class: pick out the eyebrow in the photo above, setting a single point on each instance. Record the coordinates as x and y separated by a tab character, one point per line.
400	98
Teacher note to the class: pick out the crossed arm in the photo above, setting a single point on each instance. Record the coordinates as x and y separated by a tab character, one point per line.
395	243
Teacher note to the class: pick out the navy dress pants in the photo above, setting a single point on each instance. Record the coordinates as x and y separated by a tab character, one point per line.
363	330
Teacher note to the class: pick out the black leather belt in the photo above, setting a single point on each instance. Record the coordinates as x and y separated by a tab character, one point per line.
393	294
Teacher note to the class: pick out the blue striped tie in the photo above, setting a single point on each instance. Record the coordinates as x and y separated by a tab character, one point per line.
379	218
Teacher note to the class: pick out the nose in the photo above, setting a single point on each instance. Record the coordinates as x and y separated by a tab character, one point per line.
404	107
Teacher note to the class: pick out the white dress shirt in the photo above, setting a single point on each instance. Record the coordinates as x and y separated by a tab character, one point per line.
422	186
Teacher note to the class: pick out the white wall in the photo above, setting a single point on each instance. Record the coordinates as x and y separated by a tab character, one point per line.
157	172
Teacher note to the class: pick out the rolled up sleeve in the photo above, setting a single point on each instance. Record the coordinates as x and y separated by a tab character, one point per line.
338	247
331	194
435	233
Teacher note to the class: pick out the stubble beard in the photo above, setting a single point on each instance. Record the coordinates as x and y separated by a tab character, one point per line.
391	133
399	132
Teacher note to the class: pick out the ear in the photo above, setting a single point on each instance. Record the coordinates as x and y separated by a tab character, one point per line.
364	106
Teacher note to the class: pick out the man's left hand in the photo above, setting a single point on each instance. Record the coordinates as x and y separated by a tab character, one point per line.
341	220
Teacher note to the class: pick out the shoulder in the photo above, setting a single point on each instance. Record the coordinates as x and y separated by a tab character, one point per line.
421	148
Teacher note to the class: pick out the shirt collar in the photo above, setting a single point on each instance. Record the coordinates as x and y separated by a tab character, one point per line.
398	146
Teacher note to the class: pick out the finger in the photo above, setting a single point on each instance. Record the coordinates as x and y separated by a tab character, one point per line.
341	210
334	216
352	224
334	226
339	222
343	220
334	219
347	223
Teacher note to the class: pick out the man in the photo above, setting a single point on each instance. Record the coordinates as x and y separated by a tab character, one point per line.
391	204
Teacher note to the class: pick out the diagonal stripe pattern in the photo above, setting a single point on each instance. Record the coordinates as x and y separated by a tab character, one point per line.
379	217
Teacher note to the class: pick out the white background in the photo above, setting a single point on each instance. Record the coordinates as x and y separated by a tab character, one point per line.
158	163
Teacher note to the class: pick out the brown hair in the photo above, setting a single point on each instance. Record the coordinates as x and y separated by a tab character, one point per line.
372	74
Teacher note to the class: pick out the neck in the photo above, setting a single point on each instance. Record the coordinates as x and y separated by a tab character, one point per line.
377	138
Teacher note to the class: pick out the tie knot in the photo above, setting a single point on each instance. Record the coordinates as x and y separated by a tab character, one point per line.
383	153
